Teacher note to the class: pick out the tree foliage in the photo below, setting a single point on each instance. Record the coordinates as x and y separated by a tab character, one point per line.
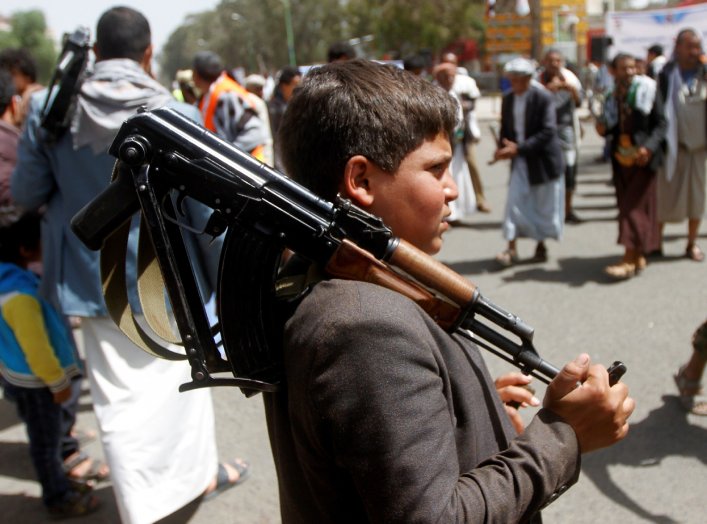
252	33
405	26
28	29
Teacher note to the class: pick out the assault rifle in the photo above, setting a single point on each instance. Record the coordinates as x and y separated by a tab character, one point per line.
65	83
164	158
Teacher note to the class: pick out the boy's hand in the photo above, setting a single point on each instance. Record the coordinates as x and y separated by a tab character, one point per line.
597	412
514	394
62	396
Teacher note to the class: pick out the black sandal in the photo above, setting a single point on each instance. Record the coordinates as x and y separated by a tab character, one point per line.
224	482
540	254
75	504
96	470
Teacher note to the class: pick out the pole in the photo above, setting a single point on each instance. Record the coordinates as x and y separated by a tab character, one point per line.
290	35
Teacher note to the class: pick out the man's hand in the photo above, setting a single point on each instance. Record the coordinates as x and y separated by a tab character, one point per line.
508	149
510	387
555	84
598	413
600	128
643	156
62	396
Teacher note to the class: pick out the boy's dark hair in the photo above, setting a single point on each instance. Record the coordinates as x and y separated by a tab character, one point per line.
208	65
656	49
122	32
339	50
286	74
25	232
7	90
19	60
358	108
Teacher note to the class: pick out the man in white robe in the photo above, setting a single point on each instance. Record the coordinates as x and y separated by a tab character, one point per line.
681	184
528	137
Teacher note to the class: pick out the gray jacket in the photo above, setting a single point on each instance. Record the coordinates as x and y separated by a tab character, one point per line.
64	179
386	418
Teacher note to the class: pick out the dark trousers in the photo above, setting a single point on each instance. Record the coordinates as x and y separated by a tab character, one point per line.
46	429
638	208
69	443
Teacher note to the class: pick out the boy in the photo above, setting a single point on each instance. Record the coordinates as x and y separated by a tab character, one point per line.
37	361
385	417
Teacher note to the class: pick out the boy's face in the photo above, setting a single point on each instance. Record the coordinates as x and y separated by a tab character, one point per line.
414	201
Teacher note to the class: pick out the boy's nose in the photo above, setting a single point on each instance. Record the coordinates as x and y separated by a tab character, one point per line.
451	191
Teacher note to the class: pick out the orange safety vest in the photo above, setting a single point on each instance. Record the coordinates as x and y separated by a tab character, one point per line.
224	84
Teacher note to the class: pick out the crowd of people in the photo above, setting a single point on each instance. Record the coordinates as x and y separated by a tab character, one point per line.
368	389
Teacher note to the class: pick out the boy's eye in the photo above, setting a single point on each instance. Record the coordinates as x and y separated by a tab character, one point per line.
439	169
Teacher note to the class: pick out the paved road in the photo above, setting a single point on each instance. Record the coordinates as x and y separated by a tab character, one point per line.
656	475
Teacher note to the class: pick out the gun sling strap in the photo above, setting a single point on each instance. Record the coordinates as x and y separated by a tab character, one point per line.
156	334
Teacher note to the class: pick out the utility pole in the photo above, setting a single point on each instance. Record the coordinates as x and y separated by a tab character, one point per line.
290	35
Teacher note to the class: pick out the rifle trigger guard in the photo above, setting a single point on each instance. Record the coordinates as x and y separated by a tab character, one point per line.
180	203
175	221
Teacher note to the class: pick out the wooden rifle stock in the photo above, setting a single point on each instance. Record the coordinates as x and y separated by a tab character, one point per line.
350	262
446	296
449	299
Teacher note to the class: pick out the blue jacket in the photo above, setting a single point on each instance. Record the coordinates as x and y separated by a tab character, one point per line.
13	361
64	180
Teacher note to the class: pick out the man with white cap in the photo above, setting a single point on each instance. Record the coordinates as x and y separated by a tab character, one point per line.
528	137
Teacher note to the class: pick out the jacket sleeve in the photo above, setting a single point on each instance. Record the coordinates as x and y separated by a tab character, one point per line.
506	120
381	401
32	183
23	314
657	124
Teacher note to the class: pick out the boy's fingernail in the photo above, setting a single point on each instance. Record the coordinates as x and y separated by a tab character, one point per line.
582	359
534	401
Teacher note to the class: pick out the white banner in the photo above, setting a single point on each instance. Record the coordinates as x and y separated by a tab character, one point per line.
634	32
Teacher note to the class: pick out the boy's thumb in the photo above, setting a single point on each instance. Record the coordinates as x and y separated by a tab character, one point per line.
573	373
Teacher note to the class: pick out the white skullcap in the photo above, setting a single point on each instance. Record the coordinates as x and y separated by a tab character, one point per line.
254	81
519	67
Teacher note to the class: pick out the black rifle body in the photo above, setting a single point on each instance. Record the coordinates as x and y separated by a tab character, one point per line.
161	152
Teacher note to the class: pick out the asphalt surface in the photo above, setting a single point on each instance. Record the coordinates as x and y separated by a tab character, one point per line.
656	475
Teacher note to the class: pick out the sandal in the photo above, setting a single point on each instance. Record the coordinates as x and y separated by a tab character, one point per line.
621	271
693	252
223	479
81	467
694	402
75	504
540	254
84	436
507	258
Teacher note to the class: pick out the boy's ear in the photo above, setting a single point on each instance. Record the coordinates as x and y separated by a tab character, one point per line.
356	183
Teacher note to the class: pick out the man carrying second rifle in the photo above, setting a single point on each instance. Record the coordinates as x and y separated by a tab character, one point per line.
160	444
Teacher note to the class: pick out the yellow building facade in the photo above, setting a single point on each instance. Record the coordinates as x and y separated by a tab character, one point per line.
556	23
